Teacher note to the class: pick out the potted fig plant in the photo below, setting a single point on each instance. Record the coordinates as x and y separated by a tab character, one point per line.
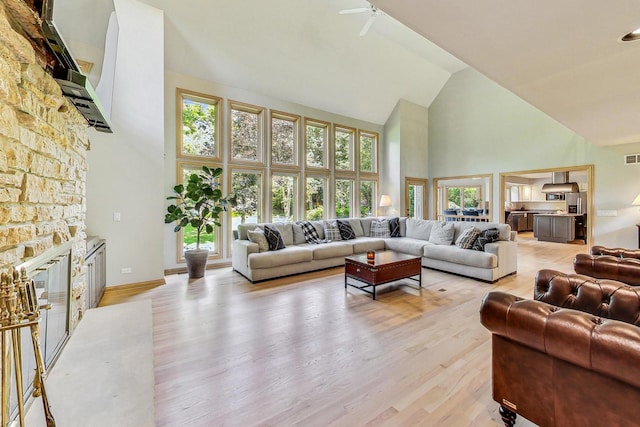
198	203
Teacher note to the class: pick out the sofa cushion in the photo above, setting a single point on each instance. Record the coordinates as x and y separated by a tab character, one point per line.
364	244
331	230
286	231
257	236
403	226
366	225
456	255
319	225
441	233
468	238
406	245
419	228
298	234
346	232
288	255
274	238
356	226
394	227
489	235
332	250
380	228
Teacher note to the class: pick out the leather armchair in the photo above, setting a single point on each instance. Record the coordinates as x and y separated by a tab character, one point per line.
610	263
573	366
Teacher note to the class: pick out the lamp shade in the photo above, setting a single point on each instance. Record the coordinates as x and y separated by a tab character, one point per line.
385	201
636	201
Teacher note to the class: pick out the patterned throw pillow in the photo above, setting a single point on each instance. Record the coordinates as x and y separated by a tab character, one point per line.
487	236
346	232
274	238
468	238
257	236
331	230
380	228
394	227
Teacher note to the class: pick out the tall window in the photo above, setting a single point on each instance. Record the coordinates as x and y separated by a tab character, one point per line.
198	124
344	197
284	139
316	143
367	198
315	197
247	186
246	135
368	152
284	188
343	142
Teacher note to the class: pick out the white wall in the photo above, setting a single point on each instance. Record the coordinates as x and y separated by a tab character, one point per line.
126	169
479	127
175	80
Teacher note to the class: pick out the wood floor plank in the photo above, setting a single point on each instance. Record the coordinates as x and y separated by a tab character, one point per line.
302	350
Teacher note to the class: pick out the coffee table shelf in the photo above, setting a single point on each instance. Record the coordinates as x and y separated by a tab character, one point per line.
386	267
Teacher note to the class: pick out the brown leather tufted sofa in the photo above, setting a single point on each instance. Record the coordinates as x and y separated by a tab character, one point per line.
571	356
610	263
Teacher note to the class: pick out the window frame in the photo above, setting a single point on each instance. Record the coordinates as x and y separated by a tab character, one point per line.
374	211
296	119
327	143
374	154
219	140
353	207
354	158
253	109
327	190
296	191
181	166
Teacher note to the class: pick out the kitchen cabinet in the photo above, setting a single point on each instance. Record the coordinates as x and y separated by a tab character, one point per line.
554	228
96	263
520	221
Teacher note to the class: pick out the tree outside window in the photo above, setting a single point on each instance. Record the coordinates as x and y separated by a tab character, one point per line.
344	196
315	194
246	134
246	186
316	145
199	134
367	198
344	149
283	190
368	146
284	140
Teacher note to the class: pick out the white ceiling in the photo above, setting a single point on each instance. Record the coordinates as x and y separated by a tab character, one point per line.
303	51
563	57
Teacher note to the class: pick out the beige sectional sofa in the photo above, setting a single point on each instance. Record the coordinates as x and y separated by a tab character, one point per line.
499	258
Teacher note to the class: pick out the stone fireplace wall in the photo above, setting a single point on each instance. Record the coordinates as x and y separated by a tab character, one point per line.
43	149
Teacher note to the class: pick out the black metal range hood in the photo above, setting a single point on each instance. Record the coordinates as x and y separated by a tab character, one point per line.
560	184
75	85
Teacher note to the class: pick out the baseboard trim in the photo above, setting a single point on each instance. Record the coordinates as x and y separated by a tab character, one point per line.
182	270
150	284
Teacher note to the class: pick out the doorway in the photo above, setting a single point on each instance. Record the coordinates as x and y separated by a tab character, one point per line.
415	197
457	197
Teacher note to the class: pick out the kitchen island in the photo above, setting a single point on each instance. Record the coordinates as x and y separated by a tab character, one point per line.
555	227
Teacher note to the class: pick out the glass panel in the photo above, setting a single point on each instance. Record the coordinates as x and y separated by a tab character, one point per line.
245	135
344	196
416	201
367	198
246	186
190	234
367	153
344	144
471	197
316	146
199	133
283	141
315	198
453	198
283	190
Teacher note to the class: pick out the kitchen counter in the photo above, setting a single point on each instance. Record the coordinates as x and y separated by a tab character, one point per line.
557	214
555	227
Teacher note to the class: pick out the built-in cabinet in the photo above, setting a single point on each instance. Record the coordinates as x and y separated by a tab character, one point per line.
96	263
520	221
554	228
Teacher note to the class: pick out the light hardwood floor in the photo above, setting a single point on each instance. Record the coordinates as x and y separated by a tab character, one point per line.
303	351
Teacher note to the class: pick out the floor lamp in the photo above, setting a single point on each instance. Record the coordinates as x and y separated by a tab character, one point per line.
385	202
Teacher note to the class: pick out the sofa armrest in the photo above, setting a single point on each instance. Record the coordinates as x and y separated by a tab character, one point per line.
607	346
507	253
616	252
625	270
240	255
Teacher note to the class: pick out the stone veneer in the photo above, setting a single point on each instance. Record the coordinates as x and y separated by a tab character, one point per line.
43	148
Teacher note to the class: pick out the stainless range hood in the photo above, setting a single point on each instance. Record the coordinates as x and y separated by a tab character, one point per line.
560	184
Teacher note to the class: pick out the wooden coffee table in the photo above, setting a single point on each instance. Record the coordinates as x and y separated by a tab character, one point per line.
388	266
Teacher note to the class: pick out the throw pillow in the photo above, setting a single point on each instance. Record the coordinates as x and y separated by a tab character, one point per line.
331	230
380	228
394	227
310	233
442	233
257	236
468	238
487	236
274	238
419	228
346	232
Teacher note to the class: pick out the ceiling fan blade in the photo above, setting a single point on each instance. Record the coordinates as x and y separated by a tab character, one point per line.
367	25
356	10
